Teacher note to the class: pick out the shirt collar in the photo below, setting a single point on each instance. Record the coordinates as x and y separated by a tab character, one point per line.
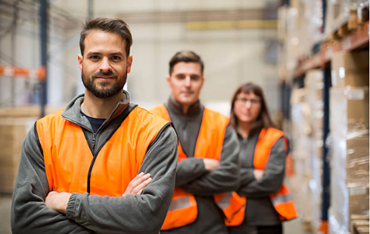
176	107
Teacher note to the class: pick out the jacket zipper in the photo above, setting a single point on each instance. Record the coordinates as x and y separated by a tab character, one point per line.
93	143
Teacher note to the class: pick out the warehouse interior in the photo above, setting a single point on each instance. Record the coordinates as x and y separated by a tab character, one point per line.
311	58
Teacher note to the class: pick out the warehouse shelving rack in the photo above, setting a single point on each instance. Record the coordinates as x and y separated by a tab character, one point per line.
354	40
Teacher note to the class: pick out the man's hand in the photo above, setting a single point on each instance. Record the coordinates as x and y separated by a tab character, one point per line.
137	185
57	201
211	164
258	173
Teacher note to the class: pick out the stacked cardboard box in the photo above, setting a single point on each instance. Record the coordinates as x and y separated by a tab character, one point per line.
301	153
307	121
314	99
360	224
350	69
12	133
349	124
348	14
31	111
300	29
15	122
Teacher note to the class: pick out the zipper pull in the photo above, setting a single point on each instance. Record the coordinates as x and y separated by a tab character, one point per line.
93	142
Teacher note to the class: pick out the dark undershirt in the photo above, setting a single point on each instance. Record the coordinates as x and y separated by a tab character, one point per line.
95	122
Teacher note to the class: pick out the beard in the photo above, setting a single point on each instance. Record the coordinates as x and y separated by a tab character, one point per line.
104	91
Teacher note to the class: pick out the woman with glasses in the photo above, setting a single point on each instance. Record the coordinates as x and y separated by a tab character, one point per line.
263	150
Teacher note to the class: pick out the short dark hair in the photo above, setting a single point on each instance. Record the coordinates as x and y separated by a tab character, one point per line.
186	56
263	119
117	26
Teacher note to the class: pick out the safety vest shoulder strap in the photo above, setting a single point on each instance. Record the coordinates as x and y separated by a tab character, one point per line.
161	111
211	135
266	139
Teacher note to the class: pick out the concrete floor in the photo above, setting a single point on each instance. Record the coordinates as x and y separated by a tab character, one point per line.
291	227
5	203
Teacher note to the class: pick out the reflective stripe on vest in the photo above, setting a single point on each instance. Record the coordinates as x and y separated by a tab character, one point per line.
233	207
224	202
209	145
277	200
280	200
179	203
70	165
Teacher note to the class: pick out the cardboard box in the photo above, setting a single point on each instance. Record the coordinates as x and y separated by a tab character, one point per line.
12	134
350	69
357	147
27	111
357	109
355	60
349	108
358	200
344	78
359	224
357	171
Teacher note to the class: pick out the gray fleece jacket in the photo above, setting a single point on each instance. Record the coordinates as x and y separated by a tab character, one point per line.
259	210
134	214
194	178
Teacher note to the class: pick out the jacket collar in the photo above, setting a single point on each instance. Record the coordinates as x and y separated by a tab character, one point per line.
176	107
73	110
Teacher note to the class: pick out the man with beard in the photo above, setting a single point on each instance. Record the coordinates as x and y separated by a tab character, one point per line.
101	165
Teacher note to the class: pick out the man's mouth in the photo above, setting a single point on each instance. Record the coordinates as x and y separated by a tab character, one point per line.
104	77
187	92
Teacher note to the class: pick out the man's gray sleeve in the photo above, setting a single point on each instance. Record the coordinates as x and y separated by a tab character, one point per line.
246	176
133	214
273	175
226	177
29	214
188	170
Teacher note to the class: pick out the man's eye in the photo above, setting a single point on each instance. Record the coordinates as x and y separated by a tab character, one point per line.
95	57
116	58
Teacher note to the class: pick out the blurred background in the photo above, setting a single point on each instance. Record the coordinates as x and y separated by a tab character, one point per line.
309	56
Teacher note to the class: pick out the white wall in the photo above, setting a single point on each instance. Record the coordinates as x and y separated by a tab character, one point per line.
231	56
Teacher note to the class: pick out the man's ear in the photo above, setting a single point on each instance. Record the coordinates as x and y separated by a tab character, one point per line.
129	63
168	79
80	60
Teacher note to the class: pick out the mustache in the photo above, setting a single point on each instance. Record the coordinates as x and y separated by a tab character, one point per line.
108	73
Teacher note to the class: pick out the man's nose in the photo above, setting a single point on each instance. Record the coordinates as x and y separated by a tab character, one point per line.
187	81
105	65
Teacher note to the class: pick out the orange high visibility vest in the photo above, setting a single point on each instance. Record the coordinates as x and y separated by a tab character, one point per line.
70	165
183	209
280	200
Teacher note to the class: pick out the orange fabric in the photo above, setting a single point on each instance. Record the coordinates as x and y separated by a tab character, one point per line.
209	145
235	212
289	166
68	157
324	227
183	216
280	200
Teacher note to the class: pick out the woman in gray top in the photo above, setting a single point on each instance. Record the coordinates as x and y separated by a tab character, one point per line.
262	155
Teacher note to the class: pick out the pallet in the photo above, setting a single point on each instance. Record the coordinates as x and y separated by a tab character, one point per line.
359	224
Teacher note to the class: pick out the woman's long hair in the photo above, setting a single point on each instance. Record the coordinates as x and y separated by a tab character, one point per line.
263	119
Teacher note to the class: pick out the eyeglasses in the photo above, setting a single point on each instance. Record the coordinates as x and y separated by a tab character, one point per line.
253	102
